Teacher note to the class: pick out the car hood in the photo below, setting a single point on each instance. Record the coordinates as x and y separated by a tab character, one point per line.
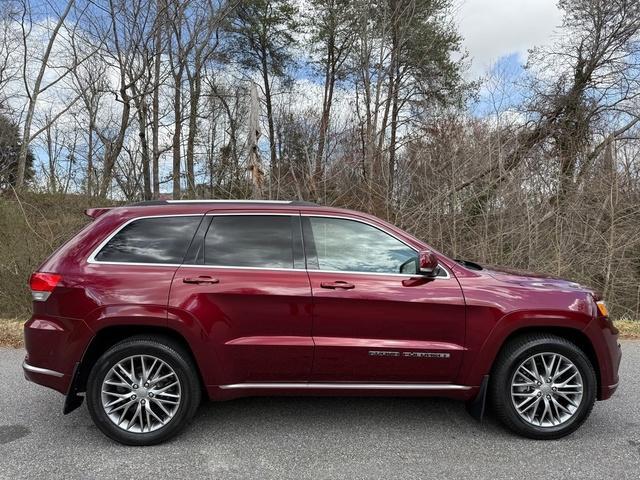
524	278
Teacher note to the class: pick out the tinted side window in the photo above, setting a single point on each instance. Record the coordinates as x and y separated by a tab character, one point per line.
348	245
151	240
250	241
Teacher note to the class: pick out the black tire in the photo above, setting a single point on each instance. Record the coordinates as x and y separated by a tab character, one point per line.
512	356
174	356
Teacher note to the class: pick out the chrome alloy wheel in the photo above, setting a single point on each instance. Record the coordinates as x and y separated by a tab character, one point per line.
546	389
141	393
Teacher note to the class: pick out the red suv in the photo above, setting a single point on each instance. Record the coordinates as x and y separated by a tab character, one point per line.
154	305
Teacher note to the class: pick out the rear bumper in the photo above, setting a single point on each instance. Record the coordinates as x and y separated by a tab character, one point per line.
54	346
44	376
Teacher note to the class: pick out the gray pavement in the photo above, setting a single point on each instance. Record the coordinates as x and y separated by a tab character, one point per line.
298	438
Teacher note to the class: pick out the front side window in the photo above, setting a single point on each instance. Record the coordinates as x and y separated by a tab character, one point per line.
337	244
151	240
264	241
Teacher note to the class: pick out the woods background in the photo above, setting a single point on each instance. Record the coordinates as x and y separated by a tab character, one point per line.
359	104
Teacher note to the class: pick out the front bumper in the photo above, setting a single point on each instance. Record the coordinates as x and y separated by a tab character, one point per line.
607	391
604	338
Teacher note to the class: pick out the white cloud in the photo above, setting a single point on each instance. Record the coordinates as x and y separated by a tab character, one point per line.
495	28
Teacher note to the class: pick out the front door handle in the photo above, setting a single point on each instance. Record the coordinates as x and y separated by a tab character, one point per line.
204	279
337	284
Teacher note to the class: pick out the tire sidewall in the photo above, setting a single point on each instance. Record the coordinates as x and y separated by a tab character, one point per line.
175	360
583	365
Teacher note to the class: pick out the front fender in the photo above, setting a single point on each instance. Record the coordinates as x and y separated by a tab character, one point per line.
478	362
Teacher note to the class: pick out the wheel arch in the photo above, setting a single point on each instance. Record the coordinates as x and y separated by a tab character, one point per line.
109	336
574	335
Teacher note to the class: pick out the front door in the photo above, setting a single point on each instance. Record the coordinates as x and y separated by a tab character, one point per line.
247	287
373	323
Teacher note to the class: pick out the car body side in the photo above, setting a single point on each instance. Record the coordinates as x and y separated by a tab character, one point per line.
97	303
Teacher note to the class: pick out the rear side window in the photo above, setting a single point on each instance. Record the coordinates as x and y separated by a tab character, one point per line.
151	240
265	241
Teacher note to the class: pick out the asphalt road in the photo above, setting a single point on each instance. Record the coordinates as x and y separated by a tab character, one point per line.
316	438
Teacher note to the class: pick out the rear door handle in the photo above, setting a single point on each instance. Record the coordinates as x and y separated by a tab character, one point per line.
201	280
337	284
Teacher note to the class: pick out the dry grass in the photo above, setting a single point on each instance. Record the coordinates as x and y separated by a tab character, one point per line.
629	328
11	331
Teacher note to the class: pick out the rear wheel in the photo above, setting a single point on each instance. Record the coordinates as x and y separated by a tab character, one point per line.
143	390
543	386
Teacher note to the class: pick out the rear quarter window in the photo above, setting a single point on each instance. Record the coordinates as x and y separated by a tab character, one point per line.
157	240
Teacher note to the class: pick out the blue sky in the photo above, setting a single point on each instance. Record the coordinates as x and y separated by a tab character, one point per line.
498	35
509	70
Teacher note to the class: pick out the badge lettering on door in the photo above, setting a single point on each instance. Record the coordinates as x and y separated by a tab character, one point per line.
390	353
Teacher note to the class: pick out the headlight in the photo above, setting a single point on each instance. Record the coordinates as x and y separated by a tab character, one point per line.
602	308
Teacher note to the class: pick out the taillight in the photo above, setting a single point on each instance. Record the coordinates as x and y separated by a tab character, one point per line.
42	284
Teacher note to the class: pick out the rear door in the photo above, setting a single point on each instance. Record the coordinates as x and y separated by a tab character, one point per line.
247	287
131	271
373	323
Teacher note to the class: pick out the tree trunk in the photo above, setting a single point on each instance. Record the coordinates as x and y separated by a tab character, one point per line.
155	122
90	155
142	120
329	83
177	109
267	93
395	112
194	89
114	148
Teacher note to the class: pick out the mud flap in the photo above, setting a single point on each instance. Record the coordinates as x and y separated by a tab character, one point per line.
73	400
477	406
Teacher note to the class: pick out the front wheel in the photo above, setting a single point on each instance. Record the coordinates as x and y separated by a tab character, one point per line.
143	390
543	386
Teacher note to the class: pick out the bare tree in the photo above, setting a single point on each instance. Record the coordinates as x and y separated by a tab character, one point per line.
9	44
331	24
34	90
261	41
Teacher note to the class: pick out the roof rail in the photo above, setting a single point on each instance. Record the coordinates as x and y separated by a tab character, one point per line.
283	202
178	202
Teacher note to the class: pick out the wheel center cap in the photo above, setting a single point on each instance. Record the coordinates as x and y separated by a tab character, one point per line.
141	392
545	388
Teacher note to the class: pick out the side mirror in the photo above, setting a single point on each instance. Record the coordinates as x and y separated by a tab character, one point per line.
428	263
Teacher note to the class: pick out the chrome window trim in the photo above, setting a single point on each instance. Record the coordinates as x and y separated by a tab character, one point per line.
42	371
383	230
227	267
92	260
405	275
346	386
